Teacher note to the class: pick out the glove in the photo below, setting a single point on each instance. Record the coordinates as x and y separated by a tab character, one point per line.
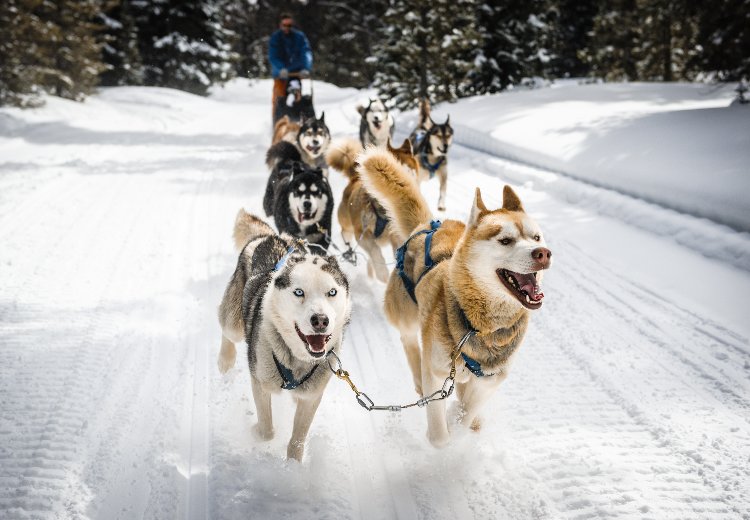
304	74
283	74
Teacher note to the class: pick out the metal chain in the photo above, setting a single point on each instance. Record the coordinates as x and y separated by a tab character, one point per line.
442	393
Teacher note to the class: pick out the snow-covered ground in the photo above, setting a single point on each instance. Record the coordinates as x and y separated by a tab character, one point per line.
630	397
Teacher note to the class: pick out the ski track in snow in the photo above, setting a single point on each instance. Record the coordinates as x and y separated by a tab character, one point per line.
621	404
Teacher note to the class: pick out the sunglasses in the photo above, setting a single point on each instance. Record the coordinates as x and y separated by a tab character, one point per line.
286	25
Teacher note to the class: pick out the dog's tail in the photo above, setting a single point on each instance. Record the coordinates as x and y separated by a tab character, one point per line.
280	128
388	182
281	151
342	156
248	227
424	111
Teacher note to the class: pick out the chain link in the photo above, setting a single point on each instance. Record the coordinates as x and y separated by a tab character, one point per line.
442	393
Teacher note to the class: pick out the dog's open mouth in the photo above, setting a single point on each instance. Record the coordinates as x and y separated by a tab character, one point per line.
314	343
523	286
376	124
313	149
304	215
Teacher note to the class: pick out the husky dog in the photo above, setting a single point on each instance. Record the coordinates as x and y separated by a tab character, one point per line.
291	308
377	124
431	142
361	217
480	279
312	139
299	199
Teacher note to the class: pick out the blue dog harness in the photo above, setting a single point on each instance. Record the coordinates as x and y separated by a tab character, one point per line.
472	364
432	168
380	222
429	263
287	376
419	137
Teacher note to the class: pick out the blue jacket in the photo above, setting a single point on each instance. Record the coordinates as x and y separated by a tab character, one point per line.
290	52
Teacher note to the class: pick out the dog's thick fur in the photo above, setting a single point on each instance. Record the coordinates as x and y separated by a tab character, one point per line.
475	262
311	138
285	129
377	124
296	313
430	142
299	198
362	219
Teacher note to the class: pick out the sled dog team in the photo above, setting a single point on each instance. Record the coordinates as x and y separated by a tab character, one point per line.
471	284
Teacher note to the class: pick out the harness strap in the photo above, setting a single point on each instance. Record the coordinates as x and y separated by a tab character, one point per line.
409	284
283	259
287	376
432	168
472	364
380	223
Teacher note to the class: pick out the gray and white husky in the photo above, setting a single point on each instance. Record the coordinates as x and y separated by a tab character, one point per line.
291	307
377	124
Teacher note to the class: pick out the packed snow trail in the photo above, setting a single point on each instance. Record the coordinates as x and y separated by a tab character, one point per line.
630	397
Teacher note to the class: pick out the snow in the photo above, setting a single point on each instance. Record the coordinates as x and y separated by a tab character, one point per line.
630	397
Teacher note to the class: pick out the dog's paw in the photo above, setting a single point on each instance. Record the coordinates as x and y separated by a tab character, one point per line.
438	440
226	362
262	434
295	450
441	207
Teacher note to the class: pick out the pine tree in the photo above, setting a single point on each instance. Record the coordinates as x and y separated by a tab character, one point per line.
70	53
724	37
613	51
668	39
571	24
183	44
517	41
20	69
121	52
425	51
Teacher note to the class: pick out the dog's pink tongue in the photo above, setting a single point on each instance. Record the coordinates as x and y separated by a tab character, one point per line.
317	342
527	282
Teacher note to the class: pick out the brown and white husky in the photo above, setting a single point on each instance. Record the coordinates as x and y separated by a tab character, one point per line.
362	219
485	279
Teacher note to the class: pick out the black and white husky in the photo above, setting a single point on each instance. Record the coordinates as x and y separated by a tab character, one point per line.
377	124
291	308
299	199
430	142
312	140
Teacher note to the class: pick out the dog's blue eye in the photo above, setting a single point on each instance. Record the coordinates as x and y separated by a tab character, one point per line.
332	292
299	292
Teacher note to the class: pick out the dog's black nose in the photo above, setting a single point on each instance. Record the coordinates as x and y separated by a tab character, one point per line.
319	322
307	205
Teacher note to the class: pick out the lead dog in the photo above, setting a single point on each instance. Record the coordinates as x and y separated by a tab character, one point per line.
291	308
480	278
430	142
362	219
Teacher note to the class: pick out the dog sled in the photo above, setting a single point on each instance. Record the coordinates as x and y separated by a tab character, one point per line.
297	102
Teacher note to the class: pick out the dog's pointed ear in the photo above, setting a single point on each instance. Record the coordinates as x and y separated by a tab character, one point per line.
322	117
476	209
447	120
406	147
361	110
511	202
